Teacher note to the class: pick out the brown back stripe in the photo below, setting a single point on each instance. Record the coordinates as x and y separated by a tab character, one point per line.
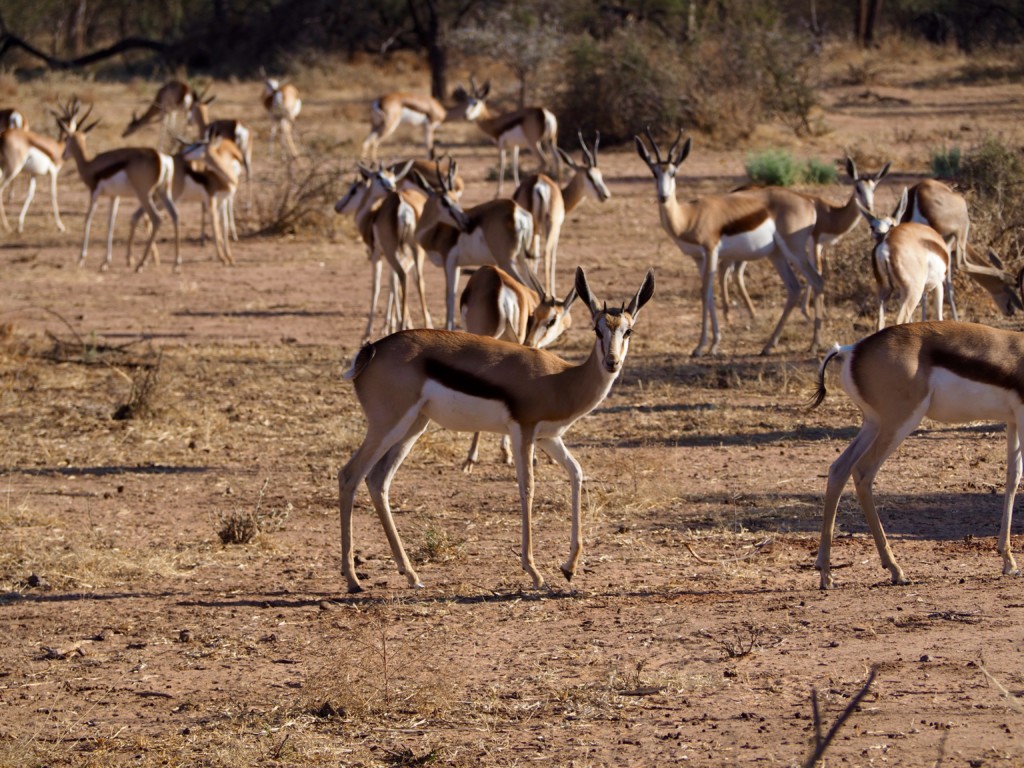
978	369
468	383
746	223
111	170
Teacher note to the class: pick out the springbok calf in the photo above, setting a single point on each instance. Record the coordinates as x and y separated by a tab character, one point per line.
173	97
393	109
532	127
38	155
495	304
141	172
282	102
948	371
472	383
550	204
498	232
759	223
909	259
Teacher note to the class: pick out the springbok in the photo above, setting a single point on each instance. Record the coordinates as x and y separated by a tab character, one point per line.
141	172
205	172
393	109
909	259
498	232
38	155
495	304
282	102
530	127
426	171
472	383
173	97
550	204
394	234
948	371
226	128
739	226
361	201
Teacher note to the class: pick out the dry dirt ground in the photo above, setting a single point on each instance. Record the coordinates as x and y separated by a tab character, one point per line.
695	631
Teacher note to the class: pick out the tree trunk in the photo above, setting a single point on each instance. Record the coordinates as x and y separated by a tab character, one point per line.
868	12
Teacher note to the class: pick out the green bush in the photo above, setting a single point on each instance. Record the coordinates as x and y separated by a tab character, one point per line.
778	168
991	169
946	163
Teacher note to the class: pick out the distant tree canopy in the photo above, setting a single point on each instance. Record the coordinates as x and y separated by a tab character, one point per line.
236	37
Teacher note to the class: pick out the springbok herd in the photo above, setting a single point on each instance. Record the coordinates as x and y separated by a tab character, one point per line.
498	377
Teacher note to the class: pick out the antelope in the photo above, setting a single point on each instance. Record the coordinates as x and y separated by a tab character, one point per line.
495	304
282	102
235	130
12	117
139	171
993	279
739	226
393	109
530	127
474	383
36	154
948	371
394	234
497	232
361	201
173	97
212	185
909	258
550	204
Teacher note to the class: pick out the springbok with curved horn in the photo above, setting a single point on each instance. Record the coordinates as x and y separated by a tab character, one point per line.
141	172
532	127
550	204
495	304
948	371
472	383
393	109
752	224
173	97
497	232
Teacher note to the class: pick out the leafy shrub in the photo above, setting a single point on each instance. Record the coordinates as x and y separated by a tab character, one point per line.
778	168
992	169
946	163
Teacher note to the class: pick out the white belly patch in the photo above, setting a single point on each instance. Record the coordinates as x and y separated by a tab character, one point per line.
117	185
463	413
957	400
755	243
412	117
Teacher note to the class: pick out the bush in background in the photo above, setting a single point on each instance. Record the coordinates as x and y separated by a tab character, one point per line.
778	168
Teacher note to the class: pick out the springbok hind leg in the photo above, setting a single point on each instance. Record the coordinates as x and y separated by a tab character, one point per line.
1013	475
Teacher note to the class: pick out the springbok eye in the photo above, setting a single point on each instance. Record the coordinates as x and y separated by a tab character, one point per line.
627	333
597	331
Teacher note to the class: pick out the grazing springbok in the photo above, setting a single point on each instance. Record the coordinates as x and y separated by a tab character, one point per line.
550	204
532	127
495	304
173	97
141	172
282	102
715	230
948	371
361	201
472	383
37	155
994	279
498	232
909	259
393	109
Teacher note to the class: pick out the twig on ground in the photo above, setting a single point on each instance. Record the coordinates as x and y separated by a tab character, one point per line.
755	550
821	744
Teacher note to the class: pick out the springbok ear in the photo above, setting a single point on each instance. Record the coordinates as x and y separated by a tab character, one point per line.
868	215
901	207
641	149
851	168
486	89
584	291
883	173
566	158
417	178
643	295
684	151
570	297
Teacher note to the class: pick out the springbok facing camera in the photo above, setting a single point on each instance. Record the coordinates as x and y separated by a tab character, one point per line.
948	371
472	383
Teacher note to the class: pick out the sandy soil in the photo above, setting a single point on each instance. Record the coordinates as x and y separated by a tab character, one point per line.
695	631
